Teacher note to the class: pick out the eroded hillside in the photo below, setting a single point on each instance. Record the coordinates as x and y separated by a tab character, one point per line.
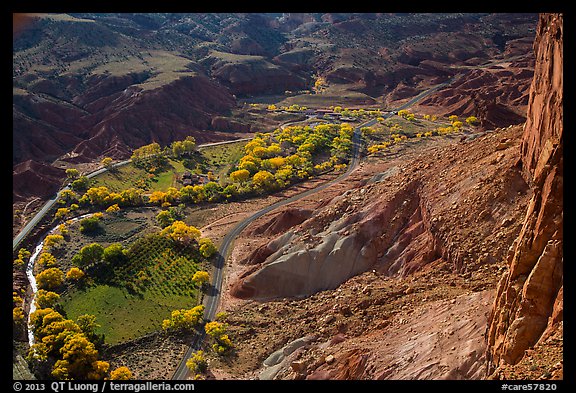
437	258
89	85
445	263
414	230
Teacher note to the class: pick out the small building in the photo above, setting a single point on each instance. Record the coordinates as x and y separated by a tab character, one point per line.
324	112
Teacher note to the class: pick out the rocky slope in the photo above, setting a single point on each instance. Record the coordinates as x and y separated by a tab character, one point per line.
528	309
397	223
406	253
108	116
497	95
442	261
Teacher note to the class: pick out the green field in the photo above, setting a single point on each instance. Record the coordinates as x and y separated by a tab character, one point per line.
131	176
123	316
219	159
133	299
216	159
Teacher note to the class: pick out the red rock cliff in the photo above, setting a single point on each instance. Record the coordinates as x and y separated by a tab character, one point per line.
529	300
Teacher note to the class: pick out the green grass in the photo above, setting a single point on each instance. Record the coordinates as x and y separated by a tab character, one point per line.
221	158
128	176
163	181
121	178
128	306
217	159
123	316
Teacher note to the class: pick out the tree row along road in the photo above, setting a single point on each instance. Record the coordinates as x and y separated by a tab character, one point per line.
30	225
213	297
51	202
211	300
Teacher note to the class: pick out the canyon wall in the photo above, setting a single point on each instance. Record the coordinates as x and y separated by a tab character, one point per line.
529	298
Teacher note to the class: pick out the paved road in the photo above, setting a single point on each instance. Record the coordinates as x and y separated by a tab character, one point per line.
50	203
212	299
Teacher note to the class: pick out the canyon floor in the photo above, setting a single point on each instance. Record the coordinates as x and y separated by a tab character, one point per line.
426	322
426	319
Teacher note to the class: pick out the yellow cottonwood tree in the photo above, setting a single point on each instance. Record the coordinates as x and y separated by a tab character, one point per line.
181	232
122	373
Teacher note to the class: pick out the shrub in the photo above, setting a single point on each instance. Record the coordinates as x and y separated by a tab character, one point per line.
90	224
53	241
113	208
197	362
88	254
121	373
200	278
207	248
74	274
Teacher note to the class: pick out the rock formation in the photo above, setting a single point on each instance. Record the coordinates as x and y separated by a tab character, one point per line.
439	209
529	296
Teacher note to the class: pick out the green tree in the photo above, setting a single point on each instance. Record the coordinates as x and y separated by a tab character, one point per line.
213	191
88	254
98	196
149	156
90	224
121	373
197	362
207	248
184	319
62	213
230	191
107	162
80	184
240	176
164	218
87	323
457	124
46	259
115	254
68	196
131	197
46	299
472	120
264	180
72	173
53	241
74	274
18	315
78	358
113	208
158	197
217	330
181	232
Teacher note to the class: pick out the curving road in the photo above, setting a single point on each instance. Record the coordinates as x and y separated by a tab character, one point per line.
212	299
50	203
